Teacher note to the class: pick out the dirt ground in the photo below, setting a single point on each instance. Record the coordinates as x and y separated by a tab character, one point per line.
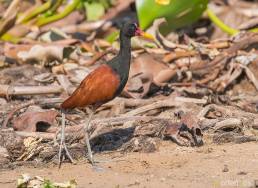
228	165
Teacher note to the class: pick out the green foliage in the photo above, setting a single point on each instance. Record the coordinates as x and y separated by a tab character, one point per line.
68	9
178	13
48	184
112	37
220	24
94	10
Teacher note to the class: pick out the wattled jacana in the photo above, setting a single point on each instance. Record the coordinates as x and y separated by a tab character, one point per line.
103	84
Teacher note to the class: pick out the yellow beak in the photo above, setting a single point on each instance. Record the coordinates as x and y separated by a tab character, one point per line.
140	32
147	36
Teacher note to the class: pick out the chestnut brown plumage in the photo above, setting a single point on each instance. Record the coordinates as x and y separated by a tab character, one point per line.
103	84
97	88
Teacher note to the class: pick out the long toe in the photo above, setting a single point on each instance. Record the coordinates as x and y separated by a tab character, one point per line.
60	155
63	151
90	158
68	153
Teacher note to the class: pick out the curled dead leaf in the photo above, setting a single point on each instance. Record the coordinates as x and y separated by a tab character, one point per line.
161	40
35	121
42	53
145	71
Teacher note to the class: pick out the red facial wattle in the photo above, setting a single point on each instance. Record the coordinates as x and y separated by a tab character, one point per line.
139	32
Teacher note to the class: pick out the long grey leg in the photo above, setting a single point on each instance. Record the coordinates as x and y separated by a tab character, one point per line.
63	146
87	138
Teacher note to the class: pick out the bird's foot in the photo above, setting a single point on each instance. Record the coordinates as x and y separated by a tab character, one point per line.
94	162
90	158
63	151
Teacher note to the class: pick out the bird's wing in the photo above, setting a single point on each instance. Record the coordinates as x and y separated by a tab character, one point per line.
98	87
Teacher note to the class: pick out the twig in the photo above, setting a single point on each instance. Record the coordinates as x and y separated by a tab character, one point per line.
159	104
46	136
217	45
128	102
178	54
210	77
120	120
64	82
12	8
228	78
6	90
230	52
7	23
190	100
251	76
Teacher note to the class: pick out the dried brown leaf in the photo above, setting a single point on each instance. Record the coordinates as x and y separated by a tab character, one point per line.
35	121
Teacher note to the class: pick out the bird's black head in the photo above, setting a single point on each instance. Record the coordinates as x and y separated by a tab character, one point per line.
130	29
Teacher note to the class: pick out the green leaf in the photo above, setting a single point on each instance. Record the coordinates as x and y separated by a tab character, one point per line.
178	13
105	3
48	184
112	37
94	10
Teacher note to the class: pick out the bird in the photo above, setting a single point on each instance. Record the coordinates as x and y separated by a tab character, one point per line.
102	85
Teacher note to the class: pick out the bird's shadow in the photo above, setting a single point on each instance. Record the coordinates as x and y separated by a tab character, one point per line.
113	140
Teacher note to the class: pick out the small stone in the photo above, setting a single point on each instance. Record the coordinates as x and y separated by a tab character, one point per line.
162	179
255	183
241	173
209	150
225	169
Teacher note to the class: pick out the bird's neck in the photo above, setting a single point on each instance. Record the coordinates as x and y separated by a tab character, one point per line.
125	47
121	63
124	56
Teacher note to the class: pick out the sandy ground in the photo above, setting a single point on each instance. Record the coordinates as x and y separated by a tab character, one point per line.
228	165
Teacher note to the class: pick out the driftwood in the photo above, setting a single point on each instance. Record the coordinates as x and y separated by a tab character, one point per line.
95	124
228	111
230	123
233	137
29	145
